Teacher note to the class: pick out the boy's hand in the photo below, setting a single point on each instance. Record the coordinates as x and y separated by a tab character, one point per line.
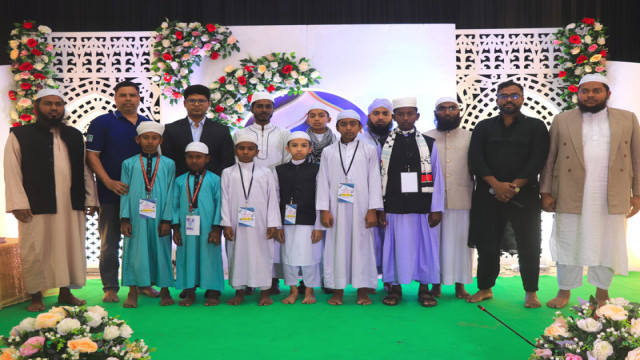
23	215
214	236
271	233
125	228
228	233
326	219
280	235
177	238
435	218
371	219
316	235
164	229
382	218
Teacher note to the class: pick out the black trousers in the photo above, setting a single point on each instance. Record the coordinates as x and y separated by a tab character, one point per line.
109	230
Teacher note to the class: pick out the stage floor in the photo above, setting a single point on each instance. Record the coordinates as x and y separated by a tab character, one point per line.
453	329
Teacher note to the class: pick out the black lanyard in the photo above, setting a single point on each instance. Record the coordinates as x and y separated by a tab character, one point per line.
193	200
244	190
346	172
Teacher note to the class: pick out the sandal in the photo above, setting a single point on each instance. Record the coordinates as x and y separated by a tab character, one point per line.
427	300
392	299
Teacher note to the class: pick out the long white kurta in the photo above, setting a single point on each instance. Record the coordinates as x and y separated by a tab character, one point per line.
593	237
349	246
52	246
250	254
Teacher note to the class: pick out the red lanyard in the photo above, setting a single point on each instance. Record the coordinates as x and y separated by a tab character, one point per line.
149	186
195	193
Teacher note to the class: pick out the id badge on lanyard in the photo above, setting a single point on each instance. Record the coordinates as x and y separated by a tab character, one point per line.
290	211
148	208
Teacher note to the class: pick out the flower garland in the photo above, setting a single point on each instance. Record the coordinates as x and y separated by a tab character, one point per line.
177	46
231	93
73	333
609	332
31	57
584	53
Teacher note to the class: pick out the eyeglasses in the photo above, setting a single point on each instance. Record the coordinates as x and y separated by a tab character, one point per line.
197	101
596	91
514	96
445	108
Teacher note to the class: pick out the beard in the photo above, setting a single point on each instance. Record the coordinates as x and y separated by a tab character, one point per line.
51	122
446	125
592	109
380	130
514	110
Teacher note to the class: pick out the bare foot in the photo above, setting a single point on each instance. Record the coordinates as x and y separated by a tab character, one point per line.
436	290
132	298
237	299
265	298
213	298
293	296
481	295
336	299
561	300
189	297
531	300
36	303
309	296
149	291
363	297
67	297
461	292
110	296
165	297
602	296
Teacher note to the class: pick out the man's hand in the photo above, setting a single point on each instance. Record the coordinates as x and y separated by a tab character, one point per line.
214	236
382	218
549	203
125	228
90	210
229	234
635	206
23	215
177	237
505	191
371	219
326	219
271	233
434	218
164	229
316	235
117	187
280	236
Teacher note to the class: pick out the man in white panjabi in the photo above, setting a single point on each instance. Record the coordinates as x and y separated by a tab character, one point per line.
49	189
591	180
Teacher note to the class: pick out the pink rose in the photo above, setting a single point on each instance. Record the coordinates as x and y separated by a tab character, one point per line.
557	42
49	47
231	40
32	346
207	47
599	68
196	33
168	91
195	51
572	357
593	47
544	353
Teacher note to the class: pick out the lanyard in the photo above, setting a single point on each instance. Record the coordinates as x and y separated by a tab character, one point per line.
149	185
194	199
373	138
244	190
346	171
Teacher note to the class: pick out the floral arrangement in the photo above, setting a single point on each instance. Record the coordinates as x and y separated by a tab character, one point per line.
583	46
31	57
231	93
72	333
611	331
177	46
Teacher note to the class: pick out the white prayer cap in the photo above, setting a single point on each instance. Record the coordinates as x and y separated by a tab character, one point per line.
446	99
594	77
261	96
299	135
409	101
318	106
246	138
48	92
380	103
150	126
197	146
348	114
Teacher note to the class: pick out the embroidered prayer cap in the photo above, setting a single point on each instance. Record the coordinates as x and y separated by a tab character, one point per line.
150	126
261	96
49	92
347	114
197	146
594	77
385	103
246	138
318	106
298	135
446	99
409	101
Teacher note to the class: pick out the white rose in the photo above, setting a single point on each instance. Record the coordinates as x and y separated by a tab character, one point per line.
294	74
273	64
575	50
633	354
161	65
110	332
14	32
569	64
578	71
229	101
14	114
165	33
588	39
51	83
216	96
214	85
67	325
242	89
18	76
601	41
597	26
93	319
222	29
181	25
302	80
24	102
174	65
268	74
44	59
619	301
303	66
164	25
315	74
253	80
155	78
634	329
228	68
15	331
166	43
239	73
613	312
24	39
587	68
260	87
229	87
98	310
14	43
184	72
570	26
112	358
44	29
125	331
589	325
205	38
28	324
277	78
601	350
194	25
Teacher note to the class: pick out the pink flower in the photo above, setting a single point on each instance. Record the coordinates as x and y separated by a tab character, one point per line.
196	33
207	47
593	47
557	42
544	353
49	47
599	68
195	51
573	357
32	346
231	40
168	91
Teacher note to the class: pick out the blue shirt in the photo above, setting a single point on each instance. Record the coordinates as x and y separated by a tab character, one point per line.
114	137
196	132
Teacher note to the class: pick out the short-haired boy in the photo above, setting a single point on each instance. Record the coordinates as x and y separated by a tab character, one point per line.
319	133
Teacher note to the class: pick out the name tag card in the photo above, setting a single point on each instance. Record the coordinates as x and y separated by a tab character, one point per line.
148	208
409	182
346	193
247	217
192	225
290	211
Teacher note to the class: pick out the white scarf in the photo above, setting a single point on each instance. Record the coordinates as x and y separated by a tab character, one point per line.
426	178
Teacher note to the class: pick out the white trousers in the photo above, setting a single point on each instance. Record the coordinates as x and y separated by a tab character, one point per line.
310	275
570	276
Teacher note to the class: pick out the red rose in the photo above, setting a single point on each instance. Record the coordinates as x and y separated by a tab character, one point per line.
211	28
575	39
219	109
16	124
249	98
39	76
25	117
25	86
562	74
222	80
36	52
176	95
27	25
13	95
167	77
573	88
588	21
271	88
287	69
238	120
214	55
26	66
249	68
603	53
32	43
167	57
179	35
581	59
242	80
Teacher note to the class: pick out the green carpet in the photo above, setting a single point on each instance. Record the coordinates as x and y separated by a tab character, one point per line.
452	330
